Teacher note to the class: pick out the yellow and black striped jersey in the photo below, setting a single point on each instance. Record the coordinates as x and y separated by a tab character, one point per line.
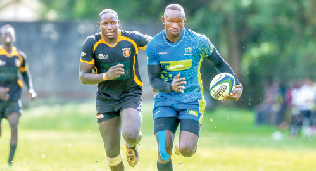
103	56
10	65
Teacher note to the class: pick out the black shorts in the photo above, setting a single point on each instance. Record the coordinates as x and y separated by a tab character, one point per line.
171	123
110	108
7	107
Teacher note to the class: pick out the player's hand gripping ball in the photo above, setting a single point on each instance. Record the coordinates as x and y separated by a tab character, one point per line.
222	85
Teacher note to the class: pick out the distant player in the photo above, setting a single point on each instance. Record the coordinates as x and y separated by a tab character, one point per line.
12	61
174	60
112	54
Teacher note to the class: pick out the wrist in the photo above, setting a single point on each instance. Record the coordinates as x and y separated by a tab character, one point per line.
238	86
104	76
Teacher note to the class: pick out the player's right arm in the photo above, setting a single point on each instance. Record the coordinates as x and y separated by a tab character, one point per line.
87	77
87	63
154	75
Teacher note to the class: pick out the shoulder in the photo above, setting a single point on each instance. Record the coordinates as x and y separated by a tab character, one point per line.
158	38
134	35
196	36
21	53
92	39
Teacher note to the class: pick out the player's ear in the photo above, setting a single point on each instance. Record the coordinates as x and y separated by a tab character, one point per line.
99	25
163	19
118	22
184	20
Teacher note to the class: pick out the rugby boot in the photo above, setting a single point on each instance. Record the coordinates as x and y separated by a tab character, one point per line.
132	155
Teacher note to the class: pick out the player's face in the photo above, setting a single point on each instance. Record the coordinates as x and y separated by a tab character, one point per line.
174	21
109	25
6	36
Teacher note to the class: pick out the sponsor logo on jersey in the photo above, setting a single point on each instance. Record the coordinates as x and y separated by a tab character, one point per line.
101	56
126	52
83	54
2	63
99	116
162	53
176	67
17	62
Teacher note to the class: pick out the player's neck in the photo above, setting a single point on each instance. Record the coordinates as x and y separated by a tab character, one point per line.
7	47
172	39
110	41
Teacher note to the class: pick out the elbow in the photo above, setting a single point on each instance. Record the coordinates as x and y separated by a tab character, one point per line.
82	79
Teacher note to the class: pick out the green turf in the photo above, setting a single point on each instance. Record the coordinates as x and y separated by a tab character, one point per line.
66	137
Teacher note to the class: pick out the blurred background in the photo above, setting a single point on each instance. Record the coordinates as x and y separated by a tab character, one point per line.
269	44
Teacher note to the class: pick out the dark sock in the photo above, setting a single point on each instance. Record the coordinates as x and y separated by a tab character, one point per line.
165	166
12	152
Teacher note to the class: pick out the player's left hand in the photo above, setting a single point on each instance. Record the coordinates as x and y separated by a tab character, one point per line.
235	95
32	94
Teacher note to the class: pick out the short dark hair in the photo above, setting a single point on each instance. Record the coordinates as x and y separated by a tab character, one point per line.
174	7
107	11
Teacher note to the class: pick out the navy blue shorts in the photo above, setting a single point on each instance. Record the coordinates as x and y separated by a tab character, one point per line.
107	109
7	107
167	115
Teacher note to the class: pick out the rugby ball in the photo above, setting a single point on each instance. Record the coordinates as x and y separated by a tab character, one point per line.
221	85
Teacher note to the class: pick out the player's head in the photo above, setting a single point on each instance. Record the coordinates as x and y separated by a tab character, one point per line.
7	33
108	23
174	19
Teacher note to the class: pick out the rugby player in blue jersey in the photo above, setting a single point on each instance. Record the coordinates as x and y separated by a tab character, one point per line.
112	53
174	60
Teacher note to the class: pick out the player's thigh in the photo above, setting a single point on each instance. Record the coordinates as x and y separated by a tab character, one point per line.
110	130
164	129
131	116
13	118
189	134
13	112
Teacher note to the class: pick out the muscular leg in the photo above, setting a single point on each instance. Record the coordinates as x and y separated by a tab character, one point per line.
187	143
168	145
164	162
111	132
131	122
13	119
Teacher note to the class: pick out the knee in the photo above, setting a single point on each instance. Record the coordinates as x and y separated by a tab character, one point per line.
131	136
187	149
169	147
112	151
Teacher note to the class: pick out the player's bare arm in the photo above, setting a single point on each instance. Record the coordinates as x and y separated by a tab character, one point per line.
87	77
27	78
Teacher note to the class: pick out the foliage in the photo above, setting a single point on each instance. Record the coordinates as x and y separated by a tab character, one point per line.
260	39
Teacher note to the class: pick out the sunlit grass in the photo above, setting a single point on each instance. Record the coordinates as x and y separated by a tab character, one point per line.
66	137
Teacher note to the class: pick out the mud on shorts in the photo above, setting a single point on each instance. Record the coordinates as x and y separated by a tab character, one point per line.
7	107
110	108
168	114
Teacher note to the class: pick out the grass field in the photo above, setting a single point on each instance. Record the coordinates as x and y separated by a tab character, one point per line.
66	137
